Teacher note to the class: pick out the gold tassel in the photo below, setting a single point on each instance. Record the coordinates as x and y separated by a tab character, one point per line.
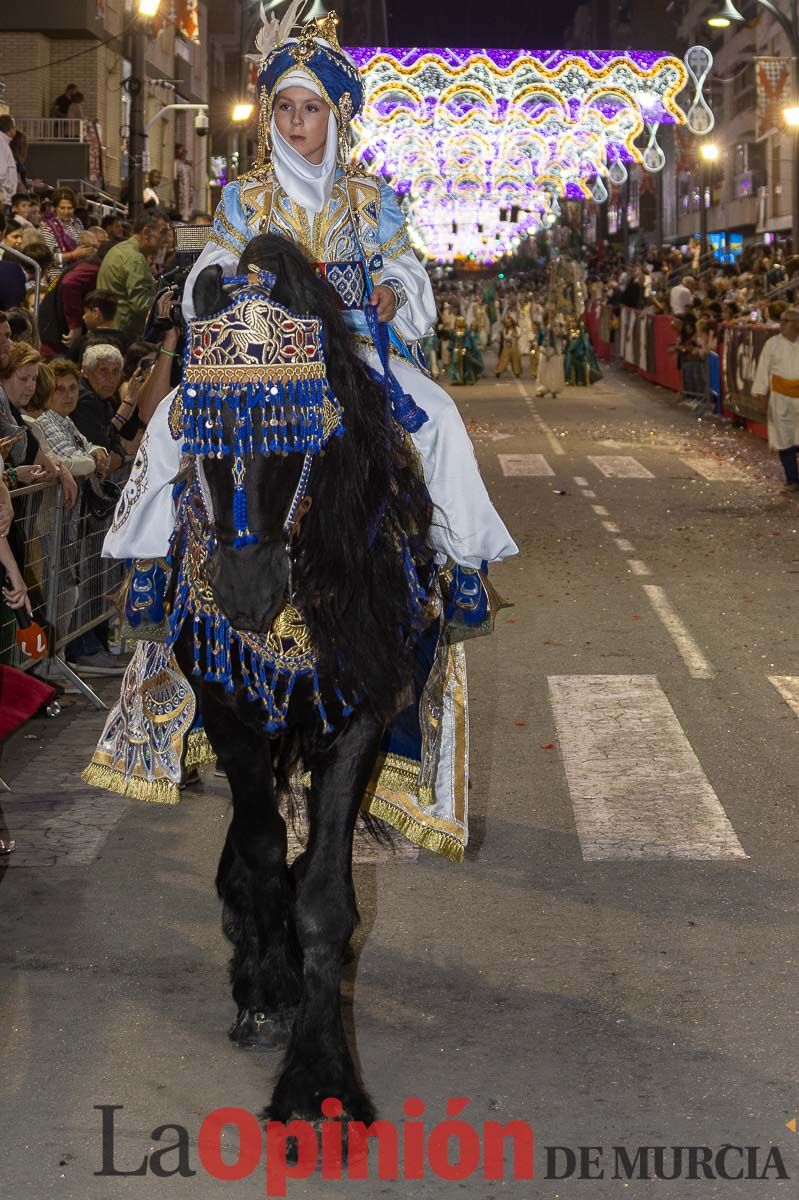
156	791
199	750
344	138
264	152
436	840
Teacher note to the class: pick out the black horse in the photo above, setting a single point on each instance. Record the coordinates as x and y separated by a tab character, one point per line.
290	925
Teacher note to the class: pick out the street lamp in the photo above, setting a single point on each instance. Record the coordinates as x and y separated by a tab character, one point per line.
709	153
242	112
728	14
790	27
145	10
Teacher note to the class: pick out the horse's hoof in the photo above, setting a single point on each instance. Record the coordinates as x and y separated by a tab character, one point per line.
261	1030
317	1124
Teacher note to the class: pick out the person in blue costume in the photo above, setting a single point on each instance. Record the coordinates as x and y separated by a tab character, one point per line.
580	366
467	362
305	187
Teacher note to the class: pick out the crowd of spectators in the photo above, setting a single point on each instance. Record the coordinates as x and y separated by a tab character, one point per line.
699	292
72	374
75	366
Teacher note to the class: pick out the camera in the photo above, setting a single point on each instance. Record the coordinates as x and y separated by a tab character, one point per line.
158	325
201	124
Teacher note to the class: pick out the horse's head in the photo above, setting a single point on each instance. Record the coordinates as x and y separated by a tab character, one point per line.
250	581
257	409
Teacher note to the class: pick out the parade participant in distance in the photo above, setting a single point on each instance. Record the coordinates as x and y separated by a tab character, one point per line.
777	378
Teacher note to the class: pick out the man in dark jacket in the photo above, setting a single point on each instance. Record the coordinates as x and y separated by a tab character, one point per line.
633	294
101	373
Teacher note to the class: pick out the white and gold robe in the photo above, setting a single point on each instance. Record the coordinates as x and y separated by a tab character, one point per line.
777	376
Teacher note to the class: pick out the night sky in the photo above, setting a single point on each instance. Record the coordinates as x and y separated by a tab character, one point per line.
493	23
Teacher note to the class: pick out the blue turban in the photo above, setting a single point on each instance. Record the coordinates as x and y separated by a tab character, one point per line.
335	74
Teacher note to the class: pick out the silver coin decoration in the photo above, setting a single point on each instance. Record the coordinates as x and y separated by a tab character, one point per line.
698	61
598	189
653	158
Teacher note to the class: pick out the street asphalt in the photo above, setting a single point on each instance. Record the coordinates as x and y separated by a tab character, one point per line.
613	964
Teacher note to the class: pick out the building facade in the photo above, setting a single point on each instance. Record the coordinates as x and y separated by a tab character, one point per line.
47	44
747	190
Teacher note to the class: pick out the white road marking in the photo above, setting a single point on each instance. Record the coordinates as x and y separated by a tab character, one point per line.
713	469
788	688
578	479
637	567
620	466
600	510
611	526
589	494
547	432
637	788
698	666
624	545
524	464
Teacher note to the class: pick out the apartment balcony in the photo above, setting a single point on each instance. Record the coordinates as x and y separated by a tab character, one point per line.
58	147
75	19
52	130
739	212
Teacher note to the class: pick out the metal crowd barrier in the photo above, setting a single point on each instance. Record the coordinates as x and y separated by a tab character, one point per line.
694	379
31	539
72	589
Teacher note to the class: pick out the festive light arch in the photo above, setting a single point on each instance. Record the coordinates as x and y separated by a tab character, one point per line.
483	143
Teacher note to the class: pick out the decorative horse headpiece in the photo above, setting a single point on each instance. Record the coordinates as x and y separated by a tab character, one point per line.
314	53
266	366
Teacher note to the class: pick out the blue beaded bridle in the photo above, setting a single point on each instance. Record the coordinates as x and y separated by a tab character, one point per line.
264	365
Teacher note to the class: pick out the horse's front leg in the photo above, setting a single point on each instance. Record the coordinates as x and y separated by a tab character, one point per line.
253	882
318	1063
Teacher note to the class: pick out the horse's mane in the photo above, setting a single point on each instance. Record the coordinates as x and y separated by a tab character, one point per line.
368	495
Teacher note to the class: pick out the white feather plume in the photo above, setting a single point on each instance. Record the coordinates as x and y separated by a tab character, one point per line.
274	32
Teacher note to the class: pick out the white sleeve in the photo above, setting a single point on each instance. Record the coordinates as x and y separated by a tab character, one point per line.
761	384
417	315
212	253
8	172
145	515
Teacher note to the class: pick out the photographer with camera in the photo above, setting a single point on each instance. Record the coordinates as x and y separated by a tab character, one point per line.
126	272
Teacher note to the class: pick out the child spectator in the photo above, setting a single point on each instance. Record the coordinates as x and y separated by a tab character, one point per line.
20	209
99	310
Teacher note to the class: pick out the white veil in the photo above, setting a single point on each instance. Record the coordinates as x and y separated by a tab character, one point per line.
306	183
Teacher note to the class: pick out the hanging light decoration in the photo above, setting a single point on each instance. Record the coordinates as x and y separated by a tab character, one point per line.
483	143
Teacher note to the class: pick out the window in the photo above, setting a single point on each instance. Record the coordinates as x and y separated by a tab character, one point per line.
743	91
